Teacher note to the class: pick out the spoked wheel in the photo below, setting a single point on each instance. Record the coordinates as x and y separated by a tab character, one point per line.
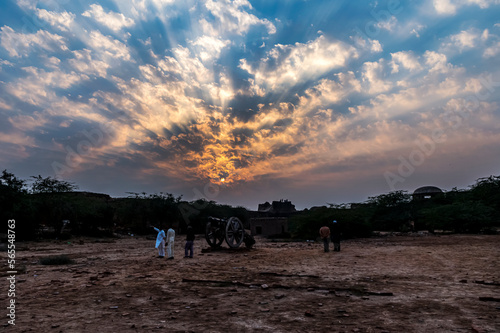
213	234
235	232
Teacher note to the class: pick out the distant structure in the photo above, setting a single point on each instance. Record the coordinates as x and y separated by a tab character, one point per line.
272	218
426	192
281	208
269	226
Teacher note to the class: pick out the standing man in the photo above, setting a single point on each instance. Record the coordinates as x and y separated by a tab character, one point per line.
189	242
160	242
324	233
170	242
335	230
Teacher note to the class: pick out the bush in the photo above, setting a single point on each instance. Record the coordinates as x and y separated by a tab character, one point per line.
353	222
469	217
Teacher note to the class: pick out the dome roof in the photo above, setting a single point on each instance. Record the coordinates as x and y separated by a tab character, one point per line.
427	190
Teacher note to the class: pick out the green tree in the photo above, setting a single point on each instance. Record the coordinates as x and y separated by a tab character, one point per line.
140	211
466	216
391	211
50	203
196	213
487	190
354	222
391	199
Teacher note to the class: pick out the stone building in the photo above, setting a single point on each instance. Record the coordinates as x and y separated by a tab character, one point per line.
426	192
268	226
271	218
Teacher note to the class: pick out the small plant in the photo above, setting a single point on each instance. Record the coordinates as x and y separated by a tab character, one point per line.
56	260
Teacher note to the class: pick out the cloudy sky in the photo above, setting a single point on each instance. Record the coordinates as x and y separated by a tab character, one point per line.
245	101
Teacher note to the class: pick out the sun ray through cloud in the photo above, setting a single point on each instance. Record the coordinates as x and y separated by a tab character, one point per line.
310	96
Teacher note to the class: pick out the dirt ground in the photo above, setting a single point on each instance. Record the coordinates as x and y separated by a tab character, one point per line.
387	284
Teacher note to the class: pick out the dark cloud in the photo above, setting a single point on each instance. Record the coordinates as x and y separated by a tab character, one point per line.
241	136
73	133
243	160
192	142
173	131
284	122
244	108
286	149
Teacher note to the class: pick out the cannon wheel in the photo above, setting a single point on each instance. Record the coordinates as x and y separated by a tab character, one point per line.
213	234
235	232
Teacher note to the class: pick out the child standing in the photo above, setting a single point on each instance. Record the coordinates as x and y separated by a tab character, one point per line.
189	242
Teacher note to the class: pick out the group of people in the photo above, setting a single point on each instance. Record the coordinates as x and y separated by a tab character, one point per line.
167	240
330	232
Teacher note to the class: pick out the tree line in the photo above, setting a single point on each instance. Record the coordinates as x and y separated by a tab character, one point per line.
472	210
42	207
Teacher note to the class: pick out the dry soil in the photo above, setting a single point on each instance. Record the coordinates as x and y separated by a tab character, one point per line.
386	284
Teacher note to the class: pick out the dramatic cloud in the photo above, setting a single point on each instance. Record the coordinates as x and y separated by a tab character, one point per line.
61	21
450	7
20	44
114	21
288	65
210	47
231	16
445	6
83	62
243	101
108	48
405	59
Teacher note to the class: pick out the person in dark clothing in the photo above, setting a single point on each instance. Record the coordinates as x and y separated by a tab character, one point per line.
335	233
189	242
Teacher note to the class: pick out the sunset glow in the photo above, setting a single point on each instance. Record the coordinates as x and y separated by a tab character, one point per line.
313	101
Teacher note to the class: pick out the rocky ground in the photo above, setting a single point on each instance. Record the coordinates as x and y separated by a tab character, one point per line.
385	284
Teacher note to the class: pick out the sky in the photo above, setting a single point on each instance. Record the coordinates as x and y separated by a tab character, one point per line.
243	102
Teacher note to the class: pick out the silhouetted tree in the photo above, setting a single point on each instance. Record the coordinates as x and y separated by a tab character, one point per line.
51	185
391	211
16	204
354	222
12	183
469	217
140	211
487	190
391	199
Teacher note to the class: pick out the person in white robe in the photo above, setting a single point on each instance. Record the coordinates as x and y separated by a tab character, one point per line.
160	242
170	243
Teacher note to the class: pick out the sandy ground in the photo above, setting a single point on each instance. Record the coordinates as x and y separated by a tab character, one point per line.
392	284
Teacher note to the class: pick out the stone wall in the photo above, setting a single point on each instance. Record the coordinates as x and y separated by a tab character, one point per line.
268	225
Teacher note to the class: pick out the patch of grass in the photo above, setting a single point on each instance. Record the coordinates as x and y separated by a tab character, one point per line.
56	260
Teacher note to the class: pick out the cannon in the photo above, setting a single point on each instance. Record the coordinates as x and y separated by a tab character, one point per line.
232	230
